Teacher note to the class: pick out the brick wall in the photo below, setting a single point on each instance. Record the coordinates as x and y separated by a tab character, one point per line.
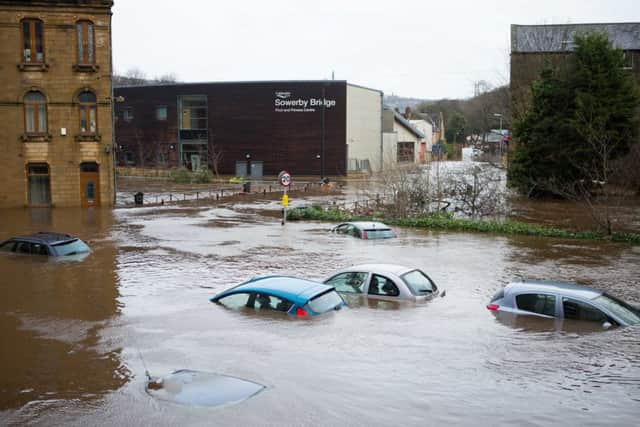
60	83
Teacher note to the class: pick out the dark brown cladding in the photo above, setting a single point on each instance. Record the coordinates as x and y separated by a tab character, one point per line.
243	119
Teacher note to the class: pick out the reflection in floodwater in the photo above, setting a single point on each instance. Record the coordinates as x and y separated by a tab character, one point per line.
53	310
543	324
202	388
73	333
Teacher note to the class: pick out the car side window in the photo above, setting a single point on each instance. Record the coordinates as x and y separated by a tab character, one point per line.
23	248
271	302
238	300
380	285
8	246
343	229
39	249
537	303
352	282
578	310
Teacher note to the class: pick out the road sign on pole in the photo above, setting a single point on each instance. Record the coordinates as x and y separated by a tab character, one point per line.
284	178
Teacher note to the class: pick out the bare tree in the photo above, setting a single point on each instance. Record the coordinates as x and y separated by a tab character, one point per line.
214	156
476	191
167	78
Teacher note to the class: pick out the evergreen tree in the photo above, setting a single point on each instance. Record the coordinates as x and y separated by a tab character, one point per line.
580	119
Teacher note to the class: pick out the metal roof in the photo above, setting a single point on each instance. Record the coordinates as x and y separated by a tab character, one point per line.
560	38
406	123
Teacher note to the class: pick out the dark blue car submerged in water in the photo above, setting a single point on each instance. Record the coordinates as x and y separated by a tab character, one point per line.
291	295
45	243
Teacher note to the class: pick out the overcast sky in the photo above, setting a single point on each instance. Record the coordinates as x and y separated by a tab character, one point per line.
420	49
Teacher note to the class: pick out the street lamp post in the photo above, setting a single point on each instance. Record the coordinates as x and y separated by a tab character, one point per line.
322	136
248	157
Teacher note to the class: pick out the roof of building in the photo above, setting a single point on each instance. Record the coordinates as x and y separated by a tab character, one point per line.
239	82
405	123
559	38
58	3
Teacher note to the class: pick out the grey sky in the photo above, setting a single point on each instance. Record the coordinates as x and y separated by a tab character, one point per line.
409	48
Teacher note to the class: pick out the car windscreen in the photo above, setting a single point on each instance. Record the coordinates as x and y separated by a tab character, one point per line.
419	283
71	247
619	308
326	301
379	233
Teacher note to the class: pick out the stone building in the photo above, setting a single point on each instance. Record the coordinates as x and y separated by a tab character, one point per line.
55	106
533	46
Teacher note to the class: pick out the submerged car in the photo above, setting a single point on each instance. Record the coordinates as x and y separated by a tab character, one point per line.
384	281
291	295
45	243
563	301
365	230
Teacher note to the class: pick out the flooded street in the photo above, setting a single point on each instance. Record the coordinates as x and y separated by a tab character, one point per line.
77	337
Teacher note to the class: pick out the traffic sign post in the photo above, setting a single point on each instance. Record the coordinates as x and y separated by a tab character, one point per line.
284	178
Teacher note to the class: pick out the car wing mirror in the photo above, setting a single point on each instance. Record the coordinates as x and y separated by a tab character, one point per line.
443	293
606	325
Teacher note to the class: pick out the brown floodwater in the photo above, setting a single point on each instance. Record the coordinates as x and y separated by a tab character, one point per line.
77	337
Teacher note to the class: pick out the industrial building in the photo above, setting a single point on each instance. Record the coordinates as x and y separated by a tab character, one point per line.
320	127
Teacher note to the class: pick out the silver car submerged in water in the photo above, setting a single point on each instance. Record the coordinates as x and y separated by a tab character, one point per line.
366	230
563	300
389	282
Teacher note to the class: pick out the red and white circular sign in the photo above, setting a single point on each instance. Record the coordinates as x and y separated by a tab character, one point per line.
285	178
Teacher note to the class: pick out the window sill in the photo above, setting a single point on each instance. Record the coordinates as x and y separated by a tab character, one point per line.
33	66
28	137
88	137
86	68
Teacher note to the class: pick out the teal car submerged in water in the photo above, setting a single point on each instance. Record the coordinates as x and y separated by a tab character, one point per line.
286	294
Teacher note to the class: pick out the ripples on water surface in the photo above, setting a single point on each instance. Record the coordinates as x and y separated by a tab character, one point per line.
72	333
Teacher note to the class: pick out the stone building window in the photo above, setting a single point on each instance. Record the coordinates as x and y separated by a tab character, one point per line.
39	184
86	47
88	113
32	41
35	113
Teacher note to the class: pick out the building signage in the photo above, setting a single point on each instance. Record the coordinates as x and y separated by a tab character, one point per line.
285	103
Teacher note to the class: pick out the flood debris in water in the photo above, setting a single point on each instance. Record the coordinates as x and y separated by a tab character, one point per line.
198	388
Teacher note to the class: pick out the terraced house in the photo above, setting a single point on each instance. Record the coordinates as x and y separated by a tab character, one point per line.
55	106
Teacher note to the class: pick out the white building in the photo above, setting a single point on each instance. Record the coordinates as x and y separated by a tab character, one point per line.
401	140
423	154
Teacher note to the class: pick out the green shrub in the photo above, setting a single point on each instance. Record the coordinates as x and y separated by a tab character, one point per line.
446	221
180	176
202	176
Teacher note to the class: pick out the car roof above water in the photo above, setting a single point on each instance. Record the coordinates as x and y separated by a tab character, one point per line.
48	237
396	269
369	225
569	289
283	285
